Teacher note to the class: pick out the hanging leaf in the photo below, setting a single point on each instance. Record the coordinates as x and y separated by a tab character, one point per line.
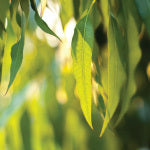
82	46
4	6
41	23
25	7
66	11
17	54
134	53
43	5
144	11
116	73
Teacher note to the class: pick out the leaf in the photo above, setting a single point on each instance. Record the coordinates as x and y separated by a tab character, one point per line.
116	73
41	23
25	7
144	11
134	54
66	11
4	6
43	5
17	54
82	45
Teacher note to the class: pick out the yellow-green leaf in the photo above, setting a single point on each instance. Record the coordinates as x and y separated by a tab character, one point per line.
82	46
4	6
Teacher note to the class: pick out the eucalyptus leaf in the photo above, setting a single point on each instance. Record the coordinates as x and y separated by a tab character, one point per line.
25	7
82	47
116	72
41	23
17	54
134	53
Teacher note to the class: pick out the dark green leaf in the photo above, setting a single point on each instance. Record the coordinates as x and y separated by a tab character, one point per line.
41	23
17	54
25	7
134	53
144	11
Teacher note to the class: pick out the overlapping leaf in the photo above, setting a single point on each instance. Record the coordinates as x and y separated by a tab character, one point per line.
116	73
134	53
82	46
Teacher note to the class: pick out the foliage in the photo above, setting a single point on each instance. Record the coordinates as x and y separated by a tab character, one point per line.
108	55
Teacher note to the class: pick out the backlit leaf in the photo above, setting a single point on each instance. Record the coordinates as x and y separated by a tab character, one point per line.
66	11
82	46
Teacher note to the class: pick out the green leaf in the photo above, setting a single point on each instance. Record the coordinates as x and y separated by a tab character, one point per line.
66	11
134	53
4	6
82	46
17	54
41	23
25	7
144	11
116	72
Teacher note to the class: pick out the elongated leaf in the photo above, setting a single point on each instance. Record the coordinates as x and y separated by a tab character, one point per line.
66	11
17	54
116	73
25	7
41	23
82	46
134	54
4	6
144	11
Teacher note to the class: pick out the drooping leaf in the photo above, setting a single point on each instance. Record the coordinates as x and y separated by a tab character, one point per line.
1	57
144	11
43	5
76	6
66	11
4	6
134	53
14	16
41	23
116	72
82	46
17	54
25	7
